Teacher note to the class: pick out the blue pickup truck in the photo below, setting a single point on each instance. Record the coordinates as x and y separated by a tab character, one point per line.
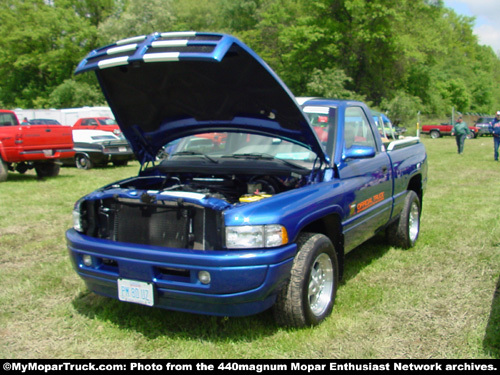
247	197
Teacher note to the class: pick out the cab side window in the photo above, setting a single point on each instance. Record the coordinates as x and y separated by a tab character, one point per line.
358	131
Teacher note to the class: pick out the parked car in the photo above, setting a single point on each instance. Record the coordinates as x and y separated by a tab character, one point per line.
437	131
98	123
98	148
43	121
483	124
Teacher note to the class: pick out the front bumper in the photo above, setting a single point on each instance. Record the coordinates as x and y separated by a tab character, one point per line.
242	282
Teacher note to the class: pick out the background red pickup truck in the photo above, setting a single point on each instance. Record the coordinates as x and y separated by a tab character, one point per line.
98	123
436	131
24	147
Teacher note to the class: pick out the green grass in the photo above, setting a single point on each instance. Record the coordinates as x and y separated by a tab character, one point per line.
438	300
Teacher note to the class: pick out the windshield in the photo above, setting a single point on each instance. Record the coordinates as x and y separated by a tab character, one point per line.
107	121
244	145
322	119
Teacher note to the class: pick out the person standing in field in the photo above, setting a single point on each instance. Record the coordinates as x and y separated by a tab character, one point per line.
460	131
495	131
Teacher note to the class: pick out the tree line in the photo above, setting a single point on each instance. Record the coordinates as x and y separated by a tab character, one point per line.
404	57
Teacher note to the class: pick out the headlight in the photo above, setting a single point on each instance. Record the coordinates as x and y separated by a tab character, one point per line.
77	218
255	236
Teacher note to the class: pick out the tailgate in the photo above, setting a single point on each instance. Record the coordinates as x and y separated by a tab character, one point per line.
37	142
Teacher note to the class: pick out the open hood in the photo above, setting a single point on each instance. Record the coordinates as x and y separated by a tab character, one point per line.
165	86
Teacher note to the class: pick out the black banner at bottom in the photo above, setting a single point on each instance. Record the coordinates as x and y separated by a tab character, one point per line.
230	366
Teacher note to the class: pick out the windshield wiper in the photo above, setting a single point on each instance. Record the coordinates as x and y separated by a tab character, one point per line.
251	155
197	154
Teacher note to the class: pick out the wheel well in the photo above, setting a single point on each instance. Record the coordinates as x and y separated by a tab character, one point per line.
331	227
415	184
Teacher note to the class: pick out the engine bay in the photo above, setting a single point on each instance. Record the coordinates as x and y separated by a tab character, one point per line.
233	189
155	208
231	180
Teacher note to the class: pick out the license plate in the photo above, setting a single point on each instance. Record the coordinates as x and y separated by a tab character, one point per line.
135	291
47	153
122	148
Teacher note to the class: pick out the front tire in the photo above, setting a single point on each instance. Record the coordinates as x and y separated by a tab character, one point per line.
308	297
404	232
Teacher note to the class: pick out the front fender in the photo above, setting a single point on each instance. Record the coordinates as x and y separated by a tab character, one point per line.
294	209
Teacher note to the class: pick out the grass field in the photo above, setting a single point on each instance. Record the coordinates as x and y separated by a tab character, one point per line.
438	300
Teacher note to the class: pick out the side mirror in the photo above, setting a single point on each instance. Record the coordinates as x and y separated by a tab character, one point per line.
359	152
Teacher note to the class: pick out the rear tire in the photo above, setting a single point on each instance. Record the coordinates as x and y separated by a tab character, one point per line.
404	232
435	134
47	170
308	297
4	170
83	162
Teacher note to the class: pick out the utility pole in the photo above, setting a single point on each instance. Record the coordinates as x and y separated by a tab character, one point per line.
418	124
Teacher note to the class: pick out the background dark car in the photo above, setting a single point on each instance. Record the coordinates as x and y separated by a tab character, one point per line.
483	123
43	121
98	148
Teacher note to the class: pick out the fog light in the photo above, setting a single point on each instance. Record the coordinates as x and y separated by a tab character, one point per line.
204	277
87	260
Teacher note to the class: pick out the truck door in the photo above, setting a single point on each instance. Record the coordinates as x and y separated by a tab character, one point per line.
368	181
8	142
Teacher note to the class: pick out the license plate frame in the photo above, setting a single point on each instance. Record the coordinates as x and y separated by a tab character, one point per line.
135	291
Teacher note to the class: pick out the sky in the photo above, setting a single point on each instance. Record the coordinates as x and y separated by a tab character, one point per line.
487	24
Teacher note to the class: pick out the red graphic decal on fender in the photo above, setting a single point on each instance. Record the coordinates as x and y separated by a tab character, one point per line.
367	203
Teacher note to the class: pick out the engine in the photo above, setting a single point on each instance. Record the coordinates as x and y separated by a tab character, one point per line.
233	189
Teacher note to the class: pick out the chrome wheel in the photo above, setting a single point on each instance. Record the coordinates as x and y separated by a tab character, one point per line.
414	222
320	284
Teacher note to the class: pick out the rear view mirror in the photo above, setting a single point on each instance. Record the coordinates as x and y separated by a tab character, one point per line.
359	152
